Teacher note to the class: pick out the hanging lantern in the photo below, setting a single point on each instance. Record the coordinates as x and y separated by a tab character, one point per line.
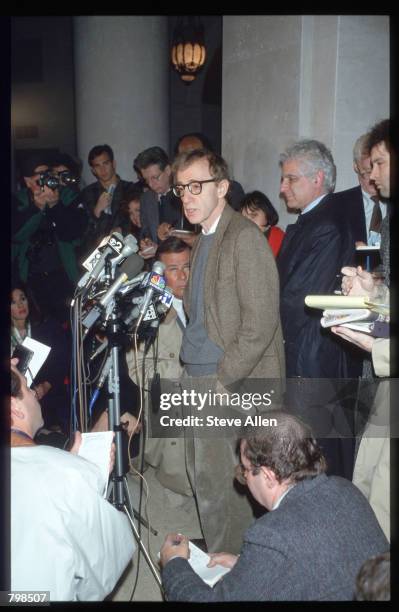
188	52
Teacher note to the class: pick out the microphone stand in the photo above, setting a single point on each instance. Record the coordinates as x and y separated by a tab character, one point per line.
120	494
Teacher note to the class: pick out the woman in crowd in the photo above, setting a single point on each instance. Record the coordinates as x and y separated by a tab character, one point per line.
257	207
50	383
131	209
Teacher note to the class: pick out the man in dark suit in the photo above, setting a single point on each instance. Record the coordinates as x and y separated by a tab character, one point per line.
159	207
362	205
103	198
308	547
313	252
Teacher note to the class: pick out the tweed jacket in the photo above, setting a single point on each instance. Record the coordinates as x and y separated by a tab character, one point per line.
310	548
241	301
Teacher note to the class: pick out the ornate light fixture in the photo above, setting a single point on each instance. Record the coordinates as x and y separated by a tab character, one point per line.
188	52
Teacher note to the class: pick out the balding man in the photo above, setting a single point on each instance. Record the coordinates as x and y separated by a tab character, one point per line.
310	544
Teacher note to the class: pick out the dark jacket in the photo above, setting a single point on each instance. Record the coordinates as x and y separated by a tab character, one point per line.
310	260
102	226
172	213
350	203
67	221
310	548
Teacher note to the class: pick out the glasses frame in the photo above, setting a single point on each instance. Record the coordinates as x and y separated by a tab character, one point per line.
188	185
240	472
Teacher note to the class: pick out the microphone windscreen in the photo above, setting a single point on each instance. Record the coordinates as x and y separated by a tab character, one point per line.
132	265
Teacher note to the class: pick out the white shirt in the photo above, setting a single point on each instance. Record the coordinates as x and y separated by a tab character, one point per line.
178	306
213	227
313	204
65	537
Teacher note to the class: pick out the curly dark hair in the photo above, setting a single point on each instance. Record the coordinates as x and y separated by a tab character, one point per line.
289	449
380	132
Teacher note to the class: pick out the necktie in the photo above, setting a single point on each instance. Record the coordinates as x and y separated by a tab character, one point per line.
376	217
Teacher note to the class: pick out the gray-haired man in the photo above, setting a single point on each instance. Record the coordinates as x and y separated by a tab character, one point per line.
312	254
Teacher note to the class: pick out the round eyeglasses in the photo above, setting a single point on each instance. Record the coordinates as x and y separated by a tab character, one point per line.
194	187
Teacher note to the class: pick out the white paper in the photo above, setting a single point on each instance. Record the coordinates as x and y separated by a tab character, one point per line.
40	353
199	560
96	447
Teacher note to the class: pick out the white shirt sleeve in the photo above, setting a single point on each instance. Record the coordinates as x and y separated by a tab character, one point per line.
65	538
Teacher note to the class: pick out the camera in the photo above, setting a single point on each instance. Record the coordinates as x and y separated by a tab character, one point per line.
46	179
54	181
66	177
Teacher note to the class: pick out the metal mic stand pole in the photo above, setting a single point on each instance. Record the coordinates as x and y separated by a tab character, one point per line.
114	422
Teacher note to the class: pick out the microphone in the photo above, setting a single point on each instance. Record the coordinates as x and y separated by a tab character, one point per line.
156	282
132	266
140	279
130	247
96	312
96	261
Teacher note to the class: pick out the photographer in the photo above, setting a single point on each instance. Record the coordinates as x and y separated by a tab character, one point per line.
48	222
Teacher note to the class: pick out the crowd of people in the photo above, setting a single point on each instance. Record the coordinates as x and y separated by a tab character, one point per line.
238	318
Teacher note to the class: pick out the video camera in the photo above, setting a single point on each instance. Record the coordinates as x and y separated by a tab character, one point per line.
54	181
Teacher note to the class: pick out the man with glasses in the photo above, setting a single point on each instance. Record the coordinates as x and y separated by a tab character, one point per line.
362	204
233	333
310	544
159	206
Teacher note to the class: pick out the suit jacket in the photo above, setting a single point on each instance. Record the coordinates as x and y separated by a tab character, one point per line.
311	257
351	206
241	300
101	226
309	548
149	213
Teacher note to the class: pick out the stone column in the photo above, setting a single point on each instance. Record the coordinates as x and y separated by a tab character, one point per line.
121	85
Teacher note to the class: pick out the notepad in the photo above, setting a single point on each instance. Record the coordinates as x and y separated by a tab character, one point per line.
96	447
40	353
199	560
